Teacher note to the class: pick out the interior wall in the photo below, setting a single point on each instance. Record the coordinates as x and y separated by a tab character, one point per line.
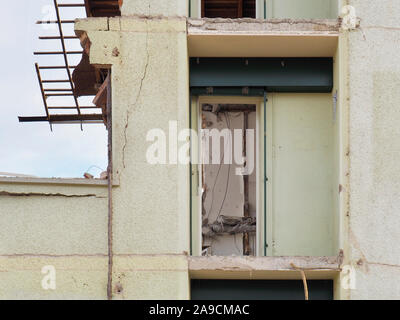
223	189
302	175
294	9
304	9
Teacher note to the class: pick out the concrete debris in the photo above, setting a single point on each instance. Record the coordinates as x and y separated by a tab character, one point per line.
229	225
88	175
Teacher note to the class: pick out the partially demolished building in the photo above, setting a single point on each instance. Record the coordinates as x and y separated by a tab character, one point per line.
313	82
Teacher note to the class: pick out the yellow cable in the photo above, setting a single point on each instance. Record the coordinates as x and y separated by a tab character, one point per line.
303	276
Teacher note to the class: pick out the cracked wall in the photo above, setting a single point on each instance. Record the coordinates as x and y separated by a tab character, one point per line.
374	74
149	88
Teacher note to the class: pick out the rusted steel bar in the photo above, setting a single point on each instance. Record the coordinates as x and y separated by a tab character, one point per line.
55	90
41	89
56	52
65	55
57	37
57	67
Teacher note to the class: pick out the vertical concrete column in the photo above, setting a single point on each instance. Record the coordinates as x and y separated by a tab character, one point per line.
374	95
151	204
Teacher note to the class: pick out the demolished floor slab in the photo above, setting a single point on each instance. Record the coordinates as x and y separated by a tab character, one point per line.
215	267
262	38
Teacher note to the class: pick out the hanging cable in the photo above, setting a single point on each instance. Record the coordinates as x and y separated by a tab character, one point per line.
229	170
303	276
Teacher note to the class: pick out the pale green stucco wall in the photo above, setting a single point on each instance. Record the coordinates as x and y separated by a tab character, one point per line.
374	101
151	204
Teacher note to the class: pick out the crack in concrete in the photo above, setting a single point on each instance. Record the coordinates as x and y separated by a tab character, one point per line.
383	264
137	96
285	25
40	194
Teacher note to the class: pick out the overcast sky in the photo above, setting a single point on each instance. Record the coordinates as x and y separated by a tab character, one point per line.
31	148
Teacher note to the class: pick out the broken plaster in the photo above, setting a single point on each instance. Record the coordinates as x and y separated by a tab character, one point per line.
40	194
137	96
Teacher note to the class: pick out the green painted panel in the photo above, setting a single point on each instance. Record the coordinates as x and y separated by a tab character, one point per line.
274	74
260	289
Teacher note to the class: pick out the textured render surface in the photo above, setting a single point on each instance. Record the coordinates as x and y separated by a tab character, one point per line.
374	64
155	7
76	276
53	219
151	206
61	225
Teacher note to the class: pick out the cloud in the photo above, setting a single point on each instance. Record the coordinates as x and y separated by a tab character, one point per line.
31	148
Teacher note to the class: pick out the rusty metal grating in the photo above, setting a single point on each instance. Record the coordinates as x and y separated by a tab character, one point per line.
53	111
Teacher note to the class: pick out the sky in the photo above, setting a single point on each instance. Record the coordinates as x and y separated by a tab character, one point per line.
31	148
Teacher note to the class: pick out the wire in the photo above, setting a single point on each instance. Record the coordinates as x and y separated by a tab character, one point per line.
216	178
229	171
